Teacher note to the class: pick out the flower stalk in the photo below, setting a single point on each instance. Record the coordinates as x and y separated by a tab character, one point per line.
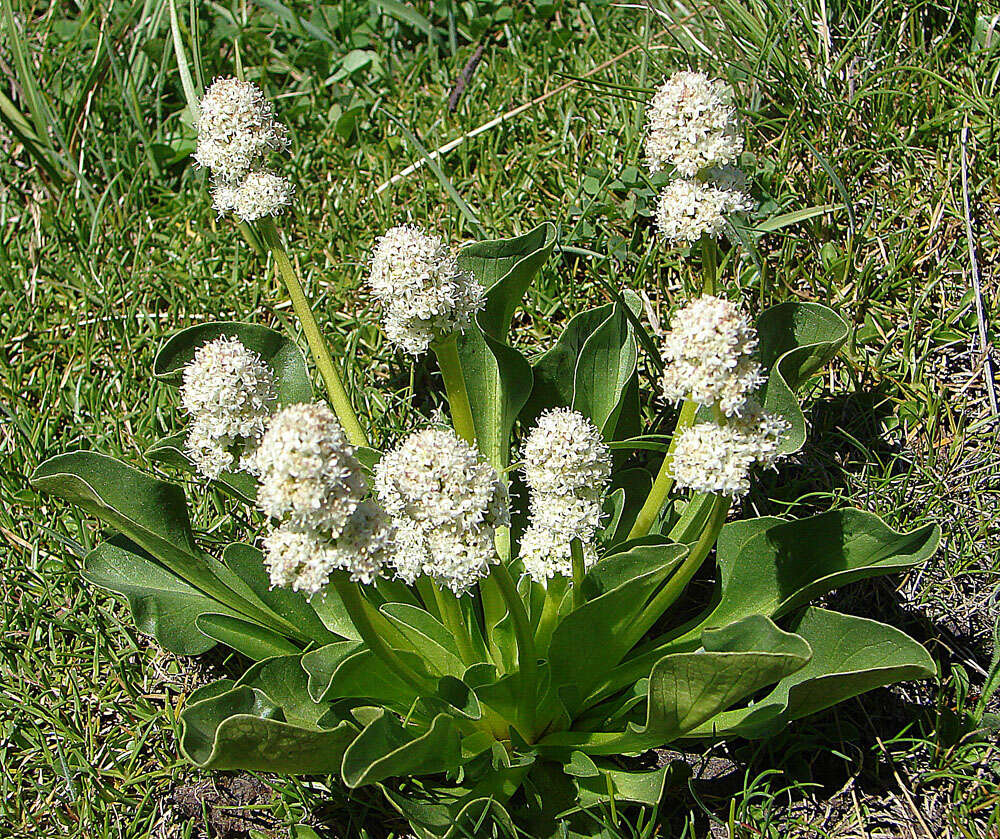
527	657
450	363
335	389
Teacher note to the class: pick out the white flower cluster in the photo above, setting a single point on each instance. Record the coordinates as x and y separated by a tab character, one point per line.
693	127
423	294
709	355
259	194
717	458
236	128
310	477
709	358
689	208
567	467
229	392
445	504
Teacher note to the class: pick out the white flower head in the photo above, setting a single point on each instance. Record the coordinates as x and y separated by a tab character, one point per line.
308	471
564	453
692	124
567	467
764	433
688	209
445	503
545	552
423	294
229	391
259	194
714	458
709	355
235	128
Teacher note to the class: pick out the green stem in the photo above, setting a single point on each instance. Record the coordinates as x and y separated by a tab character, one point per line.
675	586
664	479
555	590
353	602
579	569
454	621
526	654
317	345
709	264
454	386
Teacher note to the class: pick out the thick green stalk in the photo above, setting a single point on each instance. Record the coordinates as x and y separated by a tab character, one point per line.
454	621
664	479
555	591
579	570
709	264
353	602
450	363
675	586
317	345
526	654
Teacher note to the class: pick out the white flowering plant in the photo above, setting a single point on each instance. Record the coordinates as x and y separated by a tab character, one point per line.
491	616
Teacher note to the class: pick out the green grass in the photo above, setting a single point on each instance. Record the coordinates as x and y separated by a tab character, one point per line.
108	241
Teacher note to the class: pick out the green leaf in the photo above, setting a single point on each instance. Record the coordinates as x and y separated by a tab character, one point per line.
604	368
796	339
247	562
427	634
851	655
686	689
249	728
599	626
786	219
150	512
291	376
785	564
554	372
497	376
436	811
162	604
363	676
625	787
245	637
321	664
170	450
385	749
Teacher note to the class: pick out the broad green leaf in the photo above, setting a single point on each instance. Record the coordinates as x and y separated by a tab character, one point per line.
248	638
599	626
291	376
644	787
851	655
163	605
364	676
247	562
497	376
284	682
686	689
427	634
789	563
322	663
385	749
332	613
170	450
796	339
150	512
555	370
794	217
243	729
604	368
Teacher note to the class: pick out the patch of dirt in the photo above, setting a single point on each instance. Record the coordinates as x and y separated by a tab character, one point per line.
229	805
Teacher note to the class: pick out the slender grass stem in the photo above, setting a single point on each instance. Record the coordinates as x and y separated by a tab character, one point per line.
526	654
321	353
454	621
454	385
664	479
579	570
354	603
675	586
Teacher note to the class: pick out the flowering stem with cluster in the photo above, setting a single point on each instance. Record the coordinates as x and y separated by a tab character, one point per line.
579	570
454	621
450	363
527	656
664	478
317	344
